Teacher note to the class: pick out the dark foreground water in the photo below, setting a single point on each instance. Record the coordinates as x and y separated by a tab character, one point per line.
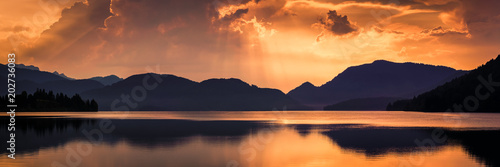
269	139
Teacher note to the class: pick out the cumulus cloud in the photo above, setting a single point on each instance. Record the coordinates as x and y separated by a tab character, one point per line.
117	36
78	23
336	24
232	9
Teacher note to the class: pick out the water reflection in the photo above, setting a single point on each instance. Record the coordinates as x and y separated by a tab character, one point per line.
145	142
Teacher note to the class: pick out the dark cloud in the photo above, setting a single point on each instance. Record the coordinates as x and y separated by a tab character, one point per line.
435	2
337	24
440	31
485	11
236	15
181	35
76	23
269	8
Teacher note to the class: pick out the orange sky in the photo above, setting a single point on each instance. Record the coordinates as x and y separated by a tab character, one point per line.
269	43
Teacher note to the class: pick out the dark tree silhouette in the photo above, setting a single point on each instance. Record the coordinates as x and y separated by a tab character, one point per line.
460	94
41	101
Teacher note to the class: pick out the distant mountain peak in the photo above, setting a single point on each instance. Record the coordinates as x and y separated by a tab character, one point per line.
107	80
29	67
381	61
386	62
114	76
62	75
181	94
224	79
304	88
225	82
307	85
380	78
110	76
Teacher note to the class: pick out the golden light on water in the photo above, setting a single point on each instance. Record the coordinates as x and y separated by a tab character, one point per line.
378	118
284	147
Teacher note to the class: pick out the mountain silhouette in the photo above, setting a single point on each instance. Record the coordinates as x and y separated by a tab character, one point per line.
71	86
63	75
107	80
378	79
29	67
477	91
30	79
24	74
175	93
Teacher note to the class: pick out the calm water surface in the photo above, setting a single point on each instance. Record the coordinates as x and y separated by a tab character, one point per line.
270	138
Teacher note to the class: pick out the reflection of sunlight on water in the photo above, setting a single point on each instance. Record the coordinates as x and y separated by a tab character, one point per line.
284	121
286	149
377	118
291	149
300	139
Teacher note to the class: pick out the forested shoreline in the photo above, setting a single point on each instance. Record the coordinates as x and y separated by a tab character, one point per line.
42	101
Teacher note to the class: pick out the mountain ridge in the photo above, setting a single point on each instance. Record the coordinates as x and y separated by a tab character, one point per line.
175	93
474	91
380	78
107	80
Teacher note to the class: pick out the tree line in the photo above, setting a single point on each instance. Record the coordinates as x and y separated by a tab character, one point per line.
42	101
477	91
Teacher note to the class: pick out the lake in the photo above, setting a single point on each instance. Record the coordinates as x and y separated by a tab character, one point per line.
254	139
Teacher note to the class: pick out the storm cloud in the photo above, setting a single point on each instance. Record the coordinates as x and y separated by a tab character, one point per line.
337	24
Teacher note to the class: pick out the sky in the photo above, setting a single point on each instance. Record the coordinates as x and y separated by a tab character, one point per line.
269	43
